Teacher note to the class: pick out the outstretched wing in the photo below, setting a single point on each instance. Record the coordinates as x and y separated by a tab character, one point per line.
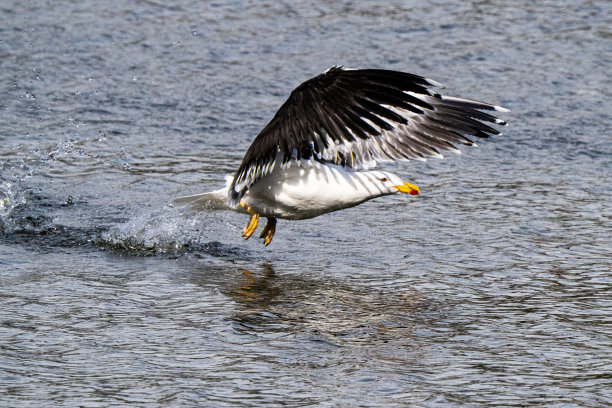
356	118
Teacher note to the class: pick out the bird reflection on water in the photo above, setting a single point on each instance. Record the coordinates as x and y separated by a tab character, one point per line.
336	312
256	289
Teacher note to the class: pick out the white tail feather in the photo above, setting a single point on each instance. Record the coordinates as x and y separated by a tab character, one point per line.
212	200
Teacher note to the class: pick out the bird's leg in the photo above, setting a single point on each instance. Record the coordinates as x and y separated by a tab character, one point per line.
268	231
250	228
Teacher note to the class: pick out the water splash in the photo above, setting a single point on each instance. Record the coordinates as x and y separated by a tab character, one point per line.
27	207
16	170
169	230
27	161
8	199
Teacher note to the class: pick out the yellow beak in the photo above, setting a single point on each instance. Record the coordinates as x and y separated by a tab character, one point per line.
407	188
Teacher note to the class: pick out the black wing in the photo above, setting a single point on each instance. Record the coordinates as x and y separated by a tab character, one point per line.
356	118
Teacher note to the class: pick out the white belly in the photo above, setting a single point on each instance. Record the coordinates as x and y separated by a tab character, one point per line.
304	192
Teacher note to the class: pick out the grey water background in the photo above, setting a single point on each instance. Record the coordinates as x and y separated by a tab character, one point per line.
492	288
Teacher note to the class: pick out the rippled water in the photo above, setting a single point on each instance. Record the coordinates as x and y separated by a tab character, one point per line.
492	288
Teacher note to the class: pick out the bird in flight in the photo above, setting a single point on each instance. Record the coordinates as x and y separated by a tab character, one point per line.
316	154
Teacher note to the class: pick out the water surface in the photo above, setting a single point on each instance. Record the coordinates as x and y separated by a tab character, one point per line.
491	288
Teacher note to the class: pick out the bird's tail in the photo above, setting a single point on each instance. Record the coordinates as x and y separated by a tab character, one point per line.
212	200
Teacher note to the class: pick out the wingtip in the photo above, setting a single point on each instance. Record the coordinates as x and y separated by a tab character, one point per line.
435	83
501	122
500	108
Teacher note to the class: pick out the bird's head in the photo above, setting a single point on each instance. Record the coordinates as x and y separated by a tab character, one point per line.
393	184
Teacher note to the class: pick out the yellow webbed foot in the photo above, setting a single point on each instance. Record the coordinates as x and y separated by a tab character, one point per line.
250	228
268	231
252	225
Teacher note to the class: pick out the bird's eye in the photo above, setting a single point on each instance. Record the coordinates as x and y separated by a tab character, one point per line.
384	179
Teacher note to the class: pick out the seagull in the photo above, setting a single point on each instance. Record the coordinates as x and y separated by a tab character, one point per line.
317	153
